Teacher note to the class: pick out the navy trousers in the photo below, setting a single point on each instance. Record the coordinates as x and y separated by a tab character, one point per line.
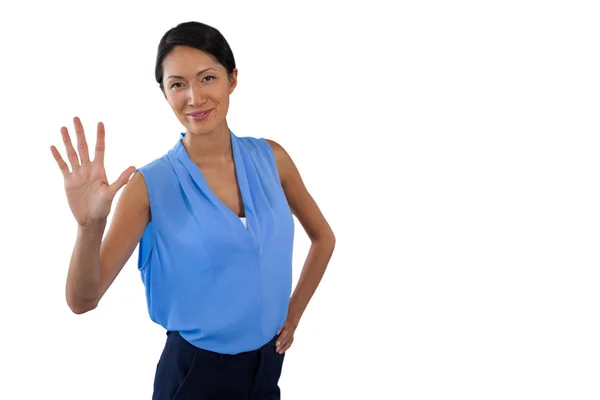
185	372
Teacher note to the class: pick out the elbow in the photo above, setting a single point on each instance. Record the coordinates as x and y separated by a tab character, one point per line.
331	238
81	310
77	303
79	306
327	240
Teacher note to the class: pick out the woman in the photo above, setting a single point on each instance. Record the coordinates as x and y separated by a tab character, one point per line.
213	220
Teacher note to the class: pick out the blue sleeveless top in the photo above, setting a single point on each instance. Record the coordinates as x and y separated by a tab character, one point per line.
224	287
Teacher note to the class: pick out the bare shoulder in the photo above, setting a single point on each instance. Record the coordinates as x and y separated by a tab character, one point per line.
135	191
278	149
285	165
301	202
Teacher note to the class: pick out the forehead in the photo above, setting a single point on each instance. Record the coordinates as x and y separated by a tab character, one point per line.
184	60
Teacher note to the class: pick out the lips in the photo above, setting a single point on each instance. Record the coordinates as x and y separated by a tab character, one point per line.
199	115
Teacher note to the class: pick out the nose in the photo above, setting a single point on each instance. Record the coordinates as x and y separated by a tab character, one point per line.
194	95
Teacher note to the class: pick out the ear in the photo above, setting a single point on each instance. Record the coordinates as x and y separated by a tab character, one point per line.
233	80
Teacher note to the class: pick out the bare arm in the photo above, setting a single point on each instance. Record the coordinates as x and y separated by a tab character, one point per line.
316	226
83	278
95	263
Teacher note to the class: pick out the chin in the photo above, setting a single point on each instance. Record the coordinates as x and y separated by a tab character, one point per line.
194	129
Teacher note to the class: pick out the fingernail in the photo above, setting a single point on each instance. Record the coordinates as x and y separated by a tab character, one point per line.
277	344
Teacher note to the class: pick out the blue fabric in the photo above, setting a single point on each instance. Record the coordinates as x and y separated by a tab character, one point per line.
224	287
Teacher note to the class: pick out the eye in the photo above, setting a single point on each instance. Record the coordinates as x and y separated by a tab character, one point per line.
208	76
176	83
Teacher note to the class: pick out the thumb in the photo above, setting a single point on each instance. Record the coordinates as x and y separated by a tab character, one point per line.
122	180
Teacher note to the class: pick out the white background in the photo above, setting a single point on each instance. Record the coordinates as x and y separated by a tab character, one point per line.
453	147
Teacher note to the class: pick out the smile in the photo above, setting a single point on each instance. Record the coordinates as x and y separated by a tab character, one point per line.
200	115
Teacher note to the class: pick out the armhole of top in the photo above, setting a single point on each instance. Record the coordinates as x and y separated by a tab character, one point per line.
272	158
147	242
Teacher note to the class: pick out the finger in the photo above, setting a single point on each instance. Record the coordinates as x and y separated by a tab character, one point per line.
64	168
286	346
82	146
99	156
281	340
71	154
122	181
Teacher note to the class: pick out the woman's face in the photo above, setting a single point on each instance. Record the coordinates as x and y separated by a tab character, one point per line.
195	82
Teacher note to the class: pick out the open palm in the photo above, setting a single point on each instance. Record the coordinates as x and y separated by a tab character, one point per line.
88	192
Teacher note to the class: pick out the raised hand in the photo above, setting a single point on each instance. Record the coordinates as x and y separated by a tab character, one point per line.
88	192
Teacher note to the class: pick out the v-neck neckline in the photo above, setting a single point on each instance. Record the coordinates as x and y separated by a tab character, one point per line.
241	178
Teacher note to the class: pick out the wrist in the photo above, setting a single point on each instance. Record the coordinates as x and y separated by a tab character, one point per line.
92	228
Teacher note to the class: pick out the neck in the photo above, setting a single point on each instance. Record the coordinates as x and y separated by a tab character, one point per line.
207	147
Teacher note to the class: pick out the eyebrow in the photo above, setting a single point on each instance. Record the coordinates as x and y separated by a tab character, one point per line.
199	73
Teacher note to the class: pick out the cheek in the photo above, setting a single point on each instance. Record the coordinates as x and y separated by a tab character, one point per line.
177	103
222	99
219	94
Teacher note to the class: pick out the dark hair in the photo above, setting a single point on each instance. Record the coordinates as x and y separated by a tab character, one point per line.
194	34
